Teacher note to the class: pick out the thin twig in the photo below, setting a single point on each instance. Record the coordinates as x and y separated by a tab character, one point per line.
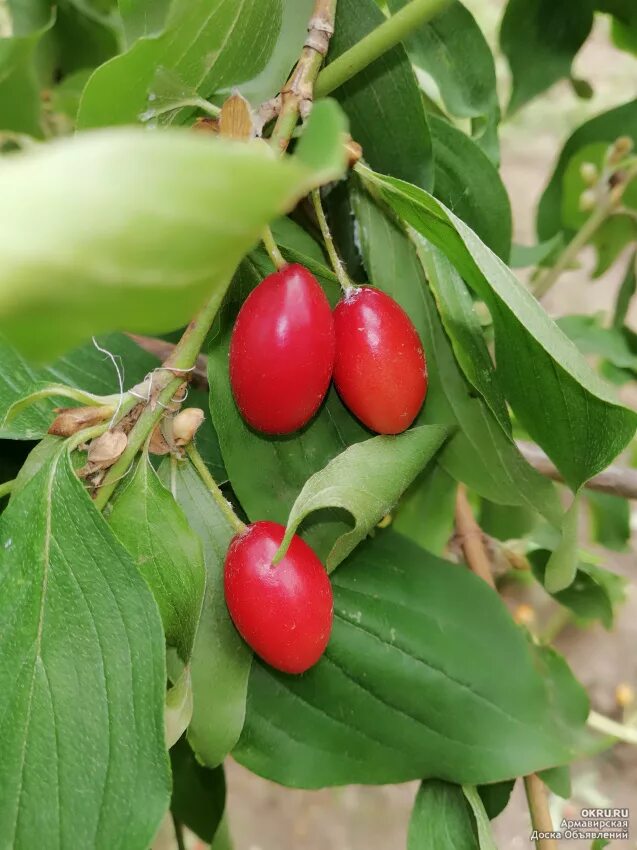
6	487
471	538
298	93
616	480
213	488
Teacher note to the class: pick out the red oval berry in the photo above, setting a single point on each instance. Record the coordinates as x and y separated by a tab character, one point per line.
282	351
283	611
380	369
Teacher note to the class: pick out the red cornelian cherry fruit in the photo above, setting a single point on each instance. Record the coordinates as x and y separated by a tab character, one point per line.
380	369
282	351
283	611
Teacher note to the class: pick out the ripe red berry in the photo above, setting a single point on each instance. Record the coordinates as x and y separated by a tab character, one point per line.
283	611
380	369
282	351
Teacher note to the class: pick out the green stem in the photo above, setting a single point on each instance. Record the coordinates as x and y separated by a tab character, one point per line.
149	417
619	731
556	625
608	205
185	354
273	249
223	504
377	42
6	487
298	92
335	260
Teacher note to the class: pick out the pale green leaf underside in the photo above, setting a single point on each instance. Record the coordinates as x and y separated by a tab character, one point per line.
146	227
366	479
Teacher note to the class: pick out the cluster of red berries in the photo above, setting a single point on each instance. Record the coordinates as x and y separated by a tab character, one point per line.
286	347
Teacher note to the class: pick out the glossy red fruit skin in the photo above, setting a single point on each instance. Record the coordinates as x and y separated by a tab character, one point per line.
283	612
380	369
282	351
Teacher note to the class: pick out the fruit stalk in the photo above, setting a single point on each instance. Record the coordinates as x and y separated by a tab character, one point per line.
298	92
378	41
223	504
335	260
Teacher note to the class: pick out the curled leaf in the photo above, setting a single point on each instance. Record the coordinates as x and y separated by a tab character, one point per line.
70	420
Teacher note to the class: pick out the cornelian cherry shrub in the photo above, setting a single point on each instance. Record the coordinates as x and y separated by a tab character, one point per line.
283	419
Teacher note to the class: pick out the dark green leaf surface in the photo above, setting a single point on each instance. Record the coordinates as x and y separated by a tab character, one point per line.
199	794
481	454
626	292
366	480
151	525
607	127
468	183
557	397
202	48
82	677
610	520
220	661
441	819
591	596
162	237
425	513
383	101
453	50
540	39
411	685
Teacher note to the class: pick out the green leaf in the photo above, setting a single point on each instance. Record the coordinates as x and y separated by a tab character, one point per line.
425	514
411	685
143	18
84	368
468	183
20	101
562	565
558	780
495	797
607	127
441	819
151	525
199	794
220	661
83	37
452	49
523	256
557	397
166	234
383	101
82	667
178	708
481	454
464	330
485	838
610	520
591	337
202	47
540	39
366	480
592	594
610	240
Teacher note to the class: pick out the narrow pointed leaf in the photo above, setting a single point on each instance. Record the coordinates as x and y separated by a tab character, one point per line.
558	398
151	525
220	661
